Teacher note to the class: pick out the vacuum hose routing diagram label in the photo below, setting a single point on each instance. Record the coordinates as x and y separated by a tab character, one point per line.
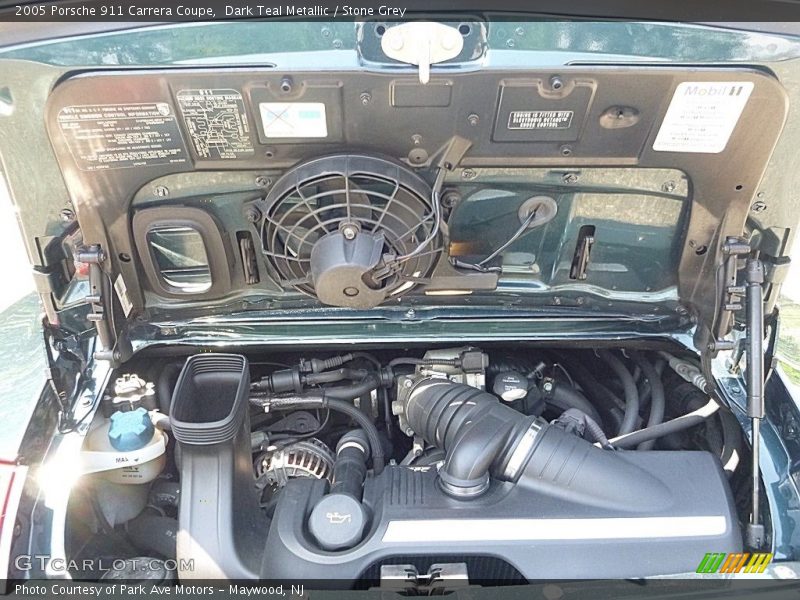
216	121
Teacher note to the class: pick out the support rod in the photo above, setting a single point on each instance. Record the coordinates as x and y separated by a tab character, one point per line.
755	387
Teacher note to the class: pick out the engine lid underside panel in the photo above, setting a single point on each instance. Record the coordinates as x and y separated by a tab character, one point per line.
659	162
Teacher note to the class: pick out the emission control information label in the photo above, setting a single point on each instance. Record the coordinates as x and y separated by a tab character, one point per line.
540	119
702	116
114	136
293	119
217	123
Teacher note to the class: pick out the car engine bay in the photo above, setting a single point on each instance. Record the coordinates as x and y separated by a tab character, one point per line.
501	465
365	327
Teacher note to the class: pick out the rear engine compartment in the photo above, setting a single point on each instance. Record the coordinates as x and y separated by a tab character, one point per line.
500	464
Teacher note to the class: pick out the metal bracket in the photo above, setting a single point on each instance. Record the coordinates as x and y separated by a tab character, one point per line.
440	579
422	43
731	297
100	301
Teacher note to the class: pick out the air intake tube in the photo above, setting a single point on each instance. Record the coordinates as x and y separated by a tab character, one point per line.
484	438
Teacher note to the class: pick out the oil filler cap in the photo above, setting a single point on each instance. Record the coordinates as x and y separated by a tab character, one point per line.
337	522
130	430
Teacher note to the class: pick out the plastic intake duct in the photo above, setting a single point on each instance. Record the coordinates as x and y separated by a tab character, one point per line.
483	437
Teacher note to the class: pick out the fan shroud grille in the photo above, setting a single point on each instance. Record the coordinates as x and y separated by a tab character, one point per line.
361	193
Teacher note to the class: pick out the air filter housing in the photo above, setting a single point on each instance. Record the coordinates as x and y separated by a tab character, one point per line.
350	230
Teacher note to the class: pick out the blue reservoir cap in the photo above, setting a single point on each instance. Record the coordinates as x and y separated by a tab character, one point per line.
130	430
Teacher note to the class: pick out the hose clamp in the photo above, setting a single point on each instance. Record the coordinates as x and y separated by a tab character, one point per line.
522	451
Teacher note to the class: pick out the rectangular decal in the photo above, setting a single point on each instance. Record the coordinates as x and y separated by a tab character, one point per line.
114	136
540	119
294	119
217	123
122	294
702	116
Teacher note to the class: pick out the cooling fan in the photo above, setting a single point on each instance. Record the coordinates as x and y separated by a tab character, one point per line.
351	230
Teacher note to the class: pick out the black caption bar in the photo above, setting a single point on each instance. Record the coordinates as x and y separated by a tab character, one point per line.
212	10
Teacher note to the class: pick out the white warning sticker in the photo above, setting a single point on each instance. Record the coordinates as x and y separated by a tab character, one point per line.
294	119
702	116
122	294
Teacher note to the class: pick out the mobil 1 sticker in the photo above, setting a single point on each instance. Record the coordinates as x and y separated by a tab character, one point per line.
116	136
217	123
702	116
540	119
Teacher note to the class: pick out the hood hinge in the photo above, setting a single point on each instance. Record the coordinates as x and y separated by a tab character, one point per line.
112	345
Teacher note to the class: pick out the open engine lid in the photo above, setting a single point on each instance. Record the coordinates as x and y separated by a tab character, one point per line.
606	187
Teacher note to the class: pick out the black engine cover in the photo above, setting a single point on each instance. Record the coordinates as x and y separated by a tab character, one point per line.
531	530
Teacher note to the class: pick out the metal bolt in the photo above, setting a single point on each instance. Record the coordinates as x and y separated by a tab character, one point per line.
252	214
569	178
519	31
547	386
510	43
473	120
349	232
669	186
366	98
450	198
408	383
556	82
758	206
263	182
67	215
736	389
337	44
411	313
416	139
161	191
468	174
326	32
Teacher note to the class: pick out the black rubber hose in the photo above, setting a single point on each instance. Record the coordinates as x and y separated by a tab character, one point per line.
165	385
356	390
564	397
477	432
606	401
631	394
349	468
335	375
153	532
317	400
449	362
674	426
657	399
165	493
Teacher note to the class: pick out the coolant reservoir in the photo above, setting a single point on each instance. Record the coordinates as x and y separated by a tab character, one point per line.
125	449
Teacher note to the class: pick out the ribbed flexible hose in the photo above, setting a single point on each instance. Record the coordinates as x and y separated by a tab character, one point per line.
477	432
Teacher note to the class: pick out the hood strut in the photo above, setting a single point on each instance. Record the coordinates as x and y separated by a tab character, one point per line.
754	277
